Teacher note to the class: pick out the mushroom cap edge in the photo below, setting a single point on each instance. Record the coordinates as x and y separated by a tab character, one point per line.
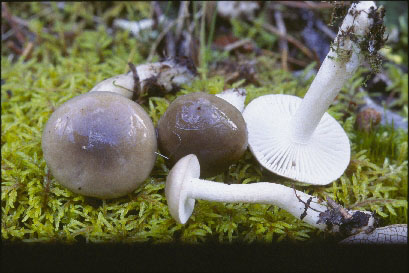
318	162
180	206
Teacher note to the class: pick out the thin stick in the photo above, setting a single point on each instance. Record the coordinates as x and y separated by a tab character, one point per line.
325	29
26	54
203	61
370	201
337	206
183	13
305	5
236	44
7	15
283	42
289	58
291	40
160	37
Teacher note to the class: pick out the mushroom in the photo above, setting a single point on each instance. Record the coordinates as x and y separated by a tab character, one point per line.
204	125
122	84
100	144
165	76
295	137
393	234
183	186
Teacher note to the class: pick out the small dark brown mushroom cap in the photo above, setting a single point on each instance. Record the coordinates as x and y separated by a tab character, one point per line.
204	125
100	144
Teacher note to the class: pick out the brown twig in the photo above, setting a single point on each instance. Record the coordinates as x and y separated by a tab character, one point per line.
306	204
136	86
291	40
289	58
337	206
160	37
26	54
236	44
370	201
7	15
305	4
283	42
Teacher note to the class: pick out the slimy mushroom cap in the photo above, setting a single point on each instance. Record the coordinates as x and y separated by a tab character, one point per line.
205	125
100	144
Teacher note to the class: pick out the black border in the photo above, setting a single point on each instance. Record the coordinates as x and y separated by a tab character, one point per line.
177	257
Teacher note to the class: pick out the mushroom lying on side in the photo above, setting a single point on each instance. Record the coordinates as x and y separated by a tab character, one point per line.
122	84
204	125
295	137
100	144
165	76
183	186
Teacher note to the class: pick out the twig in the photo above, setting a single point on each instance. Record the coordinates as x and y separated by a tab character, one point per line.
291	40
306	204
136	87
337	206
26	54
283	42
183	13
160	37
289	58
236	44
370	201
156	13
7	15
203	63
305	5
325	29
7	35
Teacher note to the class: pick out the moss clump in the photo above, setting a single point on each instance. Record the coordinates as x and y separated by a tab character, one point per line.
35	207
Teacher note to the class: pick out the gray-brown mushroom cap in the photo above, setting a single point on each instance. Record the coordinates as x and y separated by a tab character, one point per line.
100	144
204	125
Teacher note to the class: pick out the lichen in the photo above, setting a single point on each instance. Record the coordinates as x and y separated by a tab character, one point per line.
36	208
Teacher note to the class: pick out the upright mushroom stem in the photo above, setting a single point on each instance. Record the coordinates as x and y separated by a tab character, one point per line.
333	73
260	193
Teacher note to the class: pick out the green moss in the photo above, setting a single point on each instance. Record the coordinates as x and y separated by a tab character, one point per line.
35	207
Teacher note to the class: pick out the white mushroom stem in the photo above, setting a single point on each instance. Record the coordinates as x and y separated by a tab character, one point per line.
183	187
333	73
259	193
